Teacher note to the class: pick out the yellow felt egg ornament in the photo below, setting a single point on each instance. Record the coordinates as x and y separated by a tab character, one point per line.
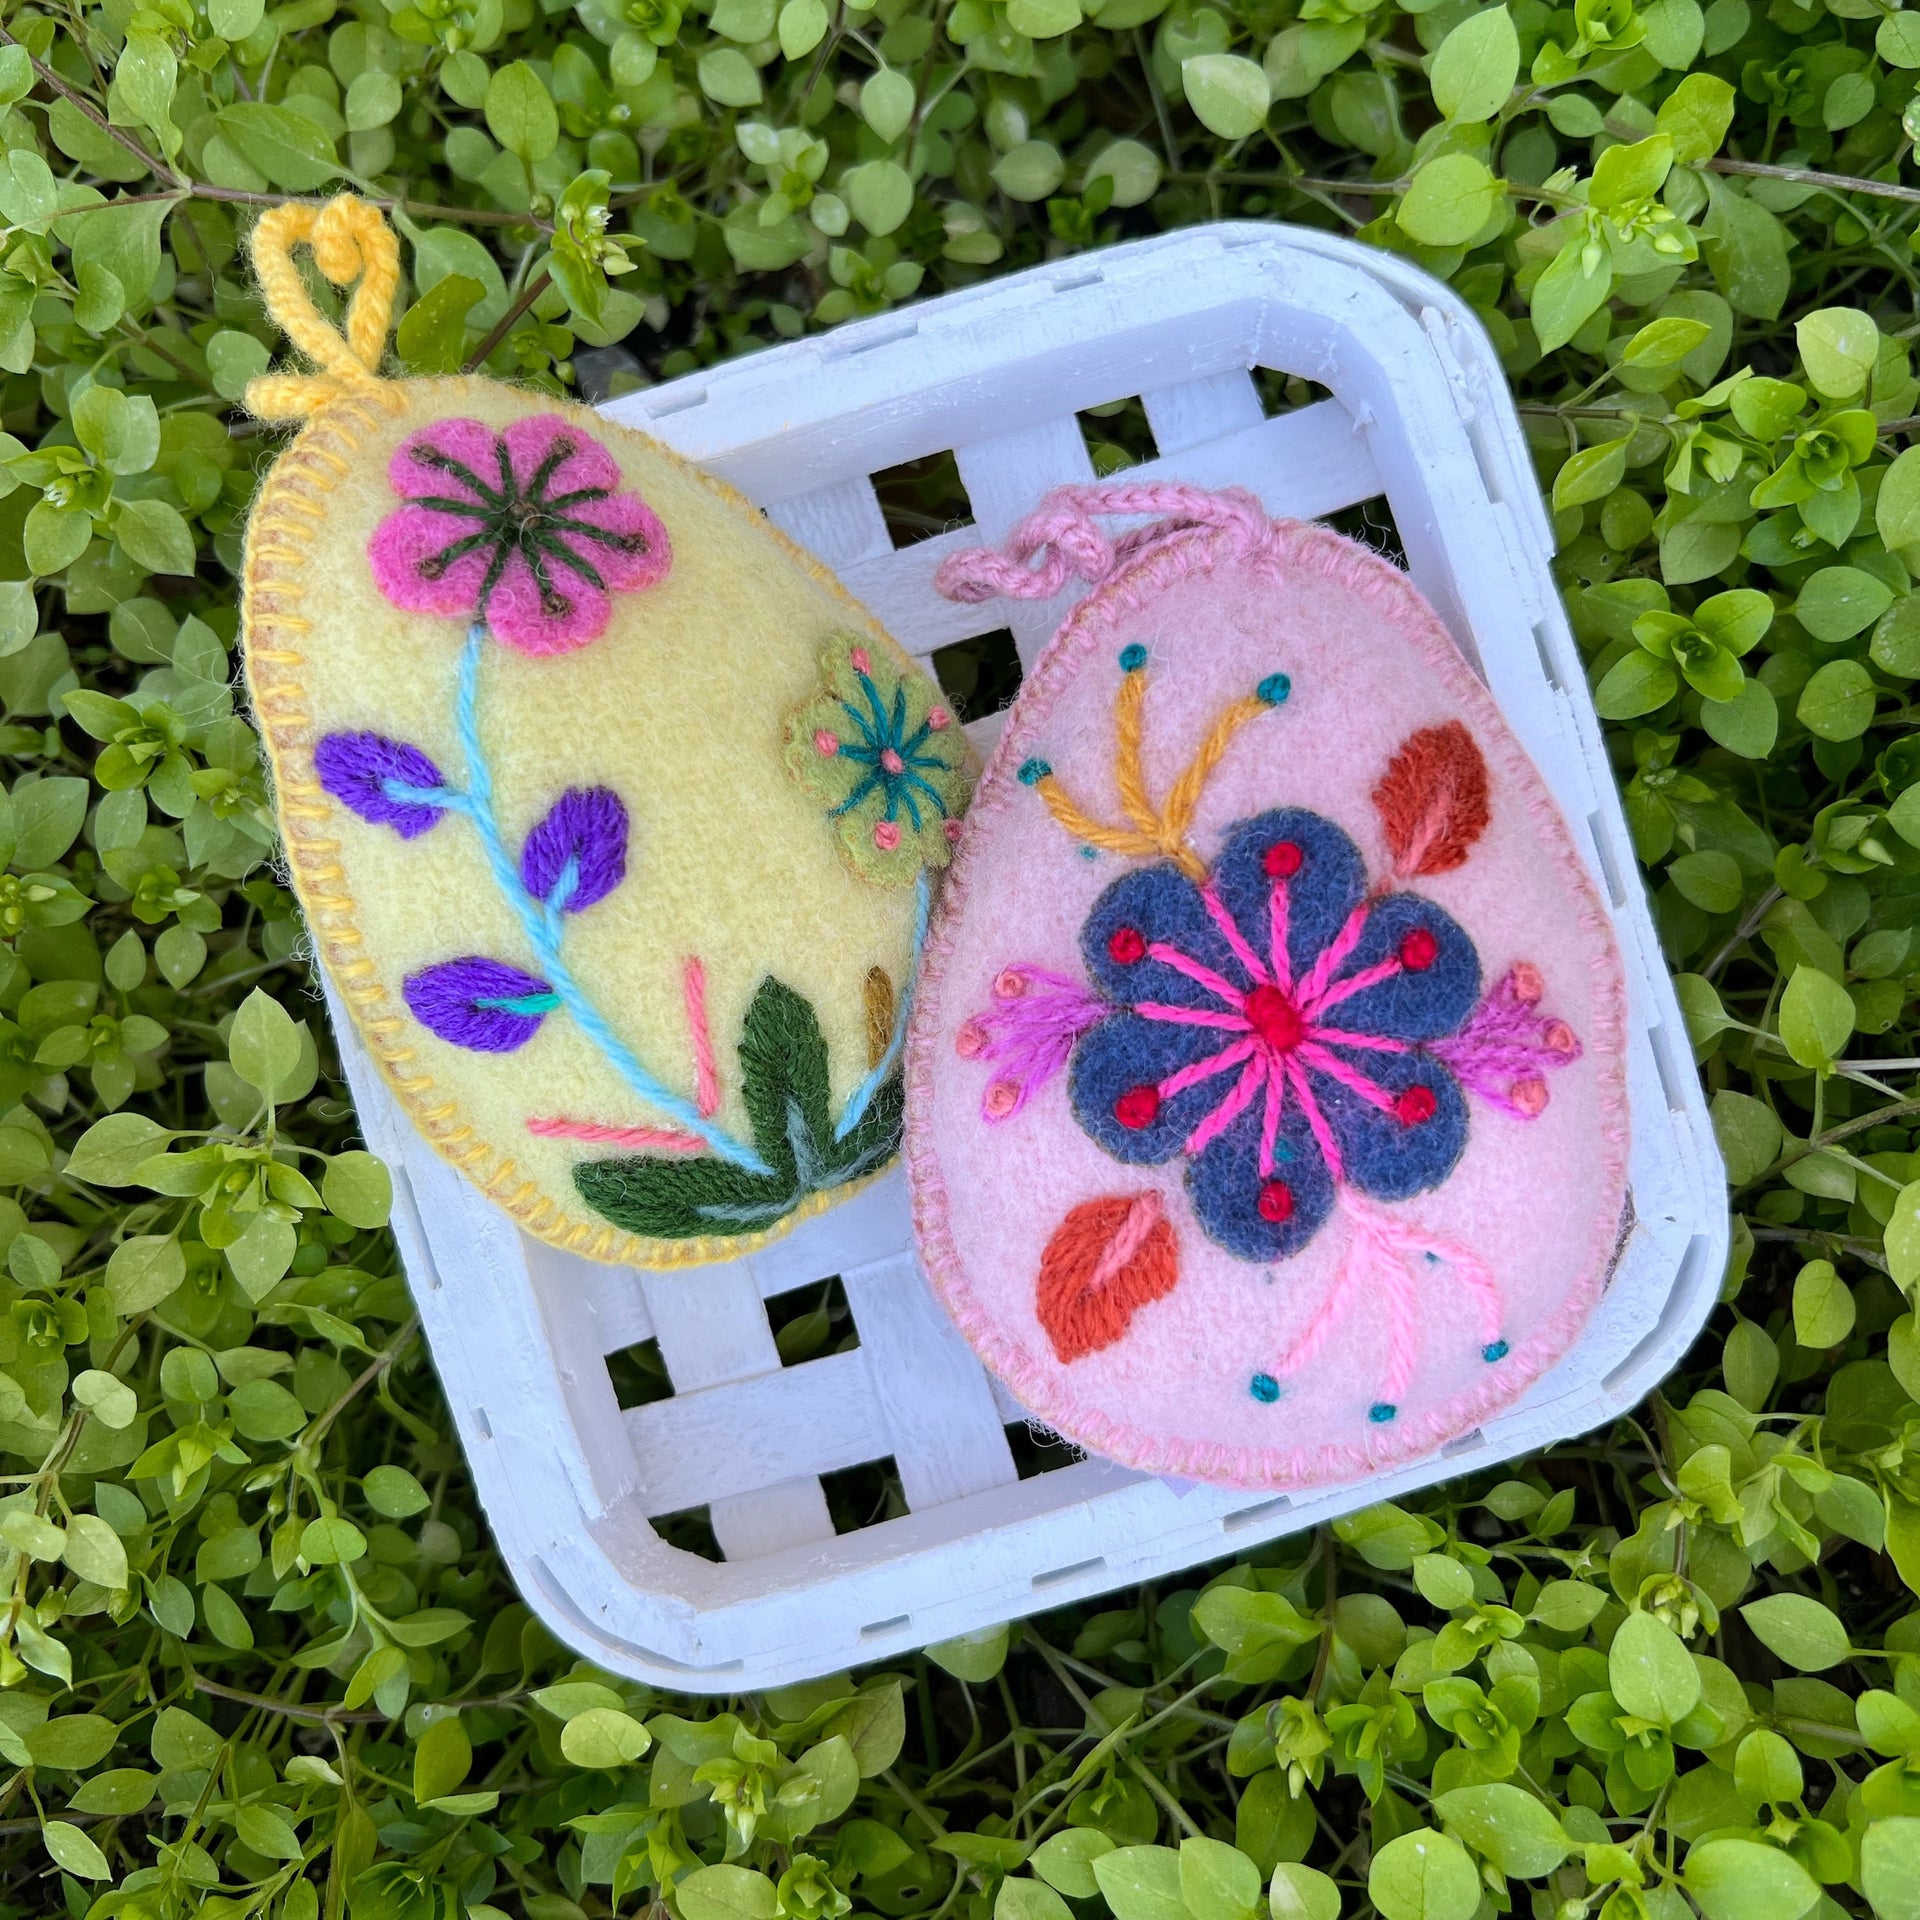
613	815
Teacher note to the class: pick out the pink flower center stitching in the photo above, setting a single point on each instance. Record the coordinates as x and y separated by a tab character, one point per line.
528	530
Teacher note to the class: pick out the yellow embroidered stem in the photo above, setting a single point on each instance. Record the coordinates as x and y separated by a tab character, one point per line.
350	241
1177	817
1129	722
1155	830
1083	827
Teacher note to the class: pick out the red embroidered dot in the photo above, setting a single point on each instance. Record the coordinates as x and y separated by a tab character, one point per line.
1282	860
1276	1202
1419	950
1415	1105
1138	1107
1127	945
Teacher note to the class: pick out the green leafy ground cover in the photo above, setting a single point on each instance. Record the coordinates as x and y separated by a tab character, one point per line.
255	1653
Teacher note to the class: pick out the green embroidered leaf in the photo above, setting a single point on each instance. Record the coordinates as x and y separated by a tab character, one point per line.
783	1070
682	1199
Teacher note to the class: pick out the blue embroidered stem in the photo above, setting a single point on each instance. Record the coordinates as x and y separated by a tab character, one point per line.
862	1096
542	922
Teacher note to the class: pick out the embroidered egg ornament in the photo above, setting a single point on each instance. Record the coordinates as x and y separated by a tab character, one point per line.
1266	1107
613	815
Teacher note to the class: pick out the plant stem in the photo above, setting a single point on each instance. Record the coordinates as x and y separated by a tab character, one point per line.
528	295
1811	177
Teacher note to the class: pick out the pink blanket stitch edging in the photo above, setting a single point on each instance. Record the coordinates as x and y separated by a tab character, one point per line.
1144	574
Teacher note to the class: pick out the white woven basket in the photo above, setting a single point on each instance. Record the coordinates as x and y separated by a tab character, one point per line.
521	1333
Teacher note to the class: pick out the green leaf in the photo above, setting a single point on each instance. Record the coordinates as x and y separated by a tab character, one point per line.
1742	1880
1823	1309
93	1549
1449	201
881	194
604	1737
1838	602
1796	1627
1748	724
110	1152
1746	247
1507	1825
394	1492
155	536
1302	1893
1065	1862
267	1832
1572	289
974	1657
286	146
442	1759
1423	1875
521	114
1816	1018
144	1271
73	1852
332	1542
1476	67
1710	880
726	1893
1022	1899
728	78
73	1742
1141	1883
264	1044
1695	116
1217	1882
1650	1672
1890	1848
1839	347
432	335
1229	93
358	1189
1590	474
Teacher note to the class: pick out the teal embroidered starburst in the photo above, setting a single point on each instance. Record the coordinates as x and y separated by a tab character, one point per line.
881	750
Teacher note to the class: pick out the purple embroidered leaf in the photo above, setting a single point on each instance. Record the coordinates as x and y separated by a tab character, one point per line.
577	855
481	1004
372	775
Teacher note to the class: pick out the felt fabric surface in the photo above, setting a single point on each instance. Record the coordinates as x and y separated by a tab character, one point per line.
1268	1125
670	872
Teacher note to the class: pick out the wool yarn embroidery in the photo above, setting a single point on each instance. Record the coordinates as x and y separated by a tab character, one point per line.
879	749
1259	901
525	679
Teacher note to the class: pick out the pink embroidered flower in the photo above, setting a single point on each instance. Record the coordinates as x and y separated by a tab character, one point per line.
528	530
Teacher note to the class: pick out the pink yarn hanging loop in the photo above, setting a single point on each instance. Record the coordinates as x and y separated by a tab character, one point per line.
1062	541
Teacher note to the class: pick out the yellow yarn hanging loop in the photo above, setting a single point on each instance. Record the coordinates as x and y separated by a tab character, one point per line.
350	240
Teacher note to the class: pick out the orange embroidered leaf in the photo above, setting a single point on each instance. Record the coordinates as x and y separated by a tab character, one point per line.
1107	1259
1433	800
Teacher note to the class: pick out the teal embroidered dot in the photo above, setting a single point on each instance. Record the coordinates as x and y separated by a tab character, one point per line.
1381	1412
1274	689
1133	658
1264	1388
1033	772
1089	853
1497	1351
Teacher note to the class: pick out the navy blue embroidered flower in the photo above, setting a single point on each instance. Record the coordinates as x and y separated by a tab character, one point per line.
1274	1027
